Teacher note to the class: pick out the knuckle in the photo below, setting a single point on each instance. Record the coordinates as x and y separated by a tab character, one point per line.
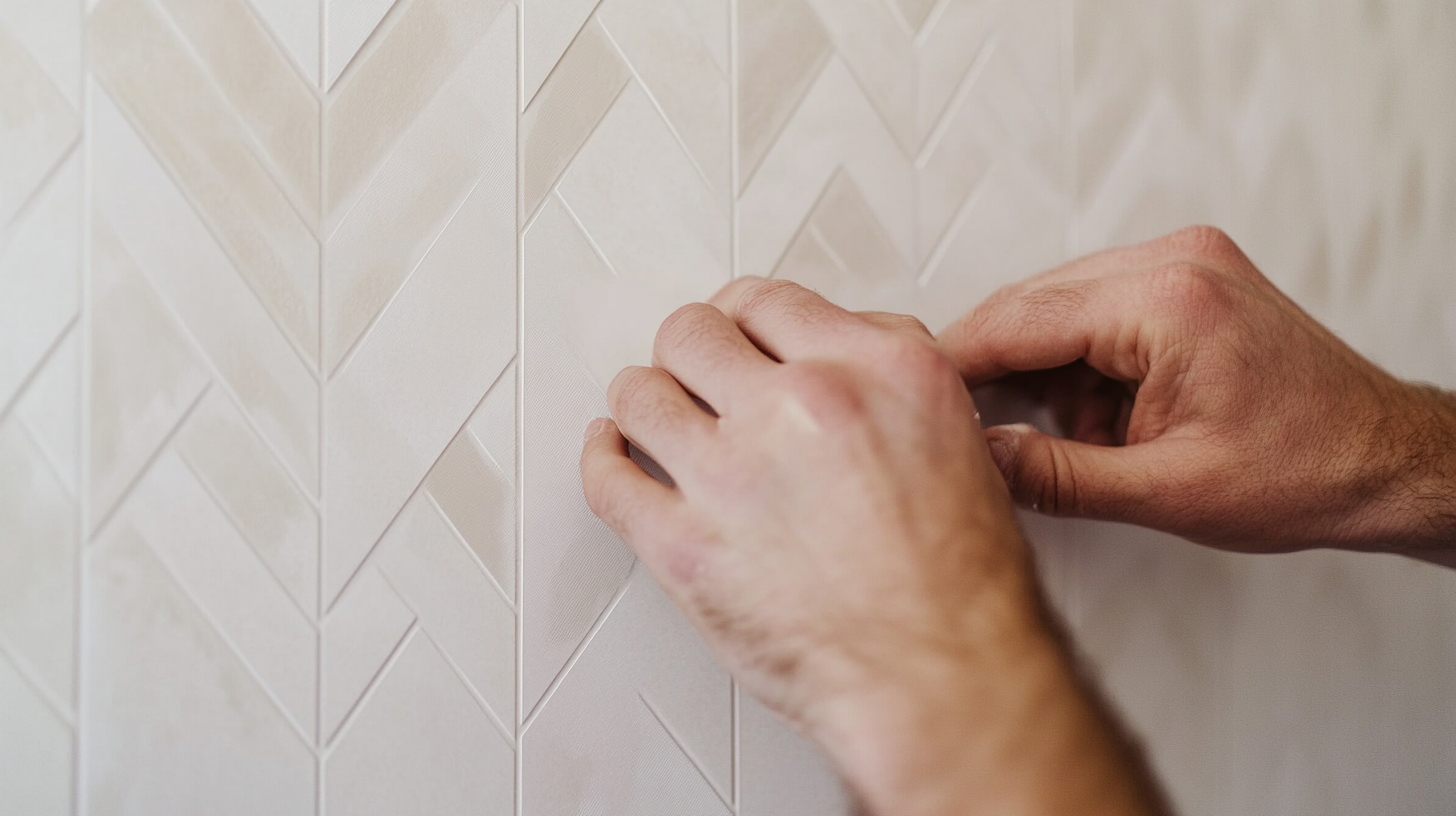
917	363
683	325
767	297
633	389
1204	241
1194	291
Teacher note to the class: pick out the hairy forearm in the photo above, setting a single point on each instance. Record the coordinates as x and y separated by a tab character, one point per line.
1008	727
1421	509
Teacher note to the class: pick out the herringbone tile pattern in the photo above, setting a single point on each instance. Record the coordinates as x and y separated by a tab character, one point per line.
303	306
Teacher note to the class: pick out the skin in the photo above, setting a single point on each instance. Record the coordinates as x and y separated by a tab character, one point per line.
840	529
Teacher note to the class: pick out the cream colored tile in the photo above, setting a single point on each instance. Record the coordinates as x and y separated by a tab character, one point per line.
843	252
480	501
783	772
211	158
372	109
916	12
947	52
258	80
421	741
711	21
51	32
50	410
205	552
430	567
253	488
36	755
782	48
362	631
636	194
467	129
37	125
296	25
835	127
38	523
665	46
178	254
40	275
560	119
494	424
421	373
881	57
550	28
350	24
175	723
144	373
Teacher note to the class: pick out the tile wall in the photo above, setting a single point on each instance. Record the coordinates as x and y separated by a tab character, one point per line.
303	306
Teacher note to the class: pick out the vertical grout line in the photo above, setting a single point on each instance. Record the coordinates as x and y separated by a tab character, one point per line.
520	107
734	238
83	435
323	381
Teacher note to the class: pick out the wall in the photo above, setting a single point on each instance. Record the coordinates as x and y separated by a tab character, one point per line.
303	307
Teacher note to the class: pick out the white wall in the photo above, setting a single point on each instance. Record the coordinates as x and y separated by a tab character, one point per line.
303	307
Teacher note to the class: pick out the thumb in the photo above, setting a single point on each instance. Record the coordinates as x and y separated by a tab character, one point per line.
1060	477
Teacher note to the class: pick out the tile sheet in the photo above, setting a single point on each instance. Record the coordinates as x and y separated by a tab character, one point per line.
303	306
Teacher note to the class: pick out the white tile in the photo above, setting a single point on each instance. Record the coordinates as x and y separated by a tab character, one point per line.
50	409
480	502
251	486
494	424
421	744
37	125
363	630
38	525
421	373
350	24
296	25
175	250
205	553
782	771
175	724
144	373
36	752
466	131
549	29
782	47
430	567
881	57
51	31
40	276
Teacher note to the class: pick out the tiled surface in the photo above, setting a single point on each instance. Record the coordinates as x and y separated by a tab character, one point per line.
276	276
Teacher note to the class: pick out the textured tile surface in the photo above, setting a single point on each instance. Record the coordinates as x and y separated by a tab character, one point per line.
276	276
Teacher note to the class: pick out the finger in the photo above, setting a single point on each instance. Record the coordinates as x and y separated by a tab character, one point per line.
726	298
709	355
1061	477
790	322
654	411
1103	322
631	502
891	321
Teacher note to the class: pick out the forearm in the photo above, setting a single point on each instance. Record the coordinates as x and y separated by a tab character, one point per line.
1008	727
1420	512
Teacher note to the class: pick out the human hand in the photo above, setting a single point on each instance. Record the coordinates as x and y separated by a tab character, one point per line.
1201	401
839	534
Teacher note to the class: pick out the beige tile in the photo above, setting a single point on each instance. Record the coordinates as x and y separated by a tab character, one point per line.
175	722
204	551
37	125
782	48
881	57
480	502
144	373
916	12
550	27
350	24
155	223
421	739
420	374
372	109
51	31
843	252
296	25
494	424
212	159
363	630
50	410
431	568
38	523
263	87
37	754
948	50
678	69
40	276
560	119
255	491
467	129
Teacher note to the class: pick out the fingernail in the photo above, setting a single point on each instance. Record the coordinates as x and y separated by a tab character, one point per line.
595	428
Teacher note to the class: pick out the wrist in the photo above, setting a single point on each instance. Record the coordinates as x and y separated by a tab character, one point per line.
1414	512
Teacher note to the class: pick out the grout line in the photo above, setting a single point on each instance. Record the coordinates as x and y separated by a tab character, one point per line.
32	199
30	676
83	436
585	233
816	75
40	365
327	750
518	785
580	649
556	180
957	101
320	579
585	21
470	551
682	746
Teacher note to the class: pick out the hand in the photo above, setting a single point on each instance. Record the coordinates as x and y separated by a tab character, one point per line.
1201	401
840	536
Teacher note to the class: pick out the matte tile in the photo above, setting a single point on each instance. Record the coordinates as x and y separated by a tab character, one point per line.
37	125
494	424
550	29
363	630
175	722
782	48
782	771
421	744
350	24
51	32
296	25
480	502
36	754
881	57
50	410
